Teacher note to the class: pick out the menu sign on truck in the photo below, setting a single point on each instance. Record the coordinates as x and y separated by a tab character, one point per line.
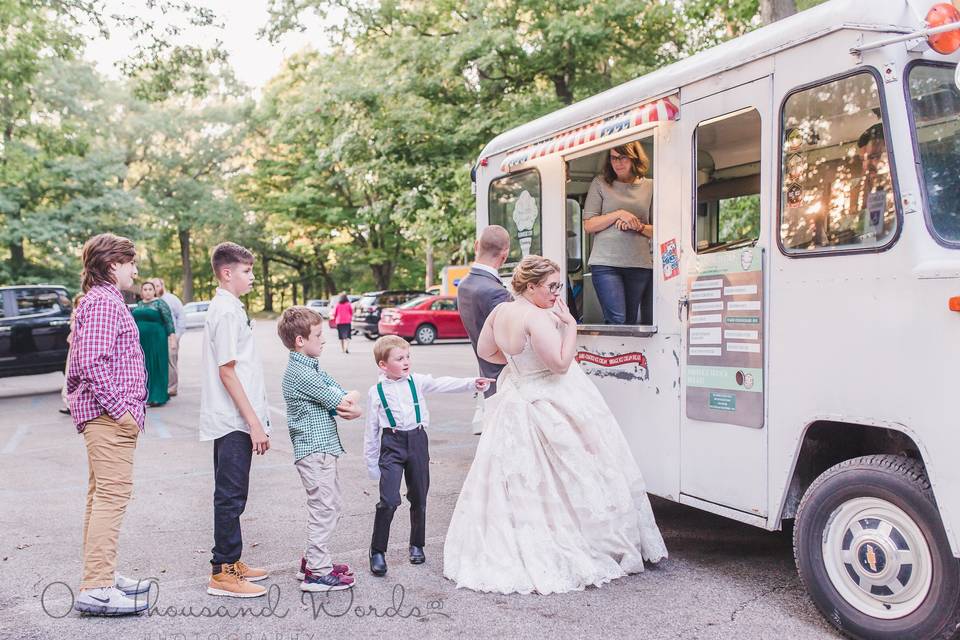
725	338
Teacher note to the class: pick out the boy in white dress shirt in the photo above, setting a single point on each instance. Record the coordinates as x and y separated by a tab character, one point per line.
396	442
234	414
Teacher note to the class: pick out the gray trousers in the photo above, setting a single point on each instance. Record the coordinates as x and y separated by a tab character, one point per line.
321	480
173	379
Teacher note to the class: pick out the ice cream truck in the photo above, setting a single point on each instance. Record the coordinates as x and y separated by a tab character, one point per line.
802	359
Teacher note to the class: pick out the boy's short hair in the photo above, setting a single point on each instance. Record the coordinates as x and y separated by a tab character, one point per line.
297	321
385	344
99	252
227	254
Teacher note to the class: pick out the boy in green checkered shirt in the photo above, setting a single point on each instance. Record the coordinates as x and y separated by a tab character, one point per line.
314	400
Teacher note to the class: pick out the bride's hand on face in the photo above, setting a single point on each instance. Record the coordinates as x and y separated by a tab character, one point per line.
562	313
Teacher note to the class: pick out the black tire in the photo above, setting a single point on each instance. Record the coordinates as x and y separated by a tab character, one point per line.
899	481
369	335
426	334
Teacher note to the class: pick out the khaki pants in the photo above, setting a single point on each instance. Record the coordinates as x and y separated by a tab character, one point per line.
321	479
173	350
110	446
63	391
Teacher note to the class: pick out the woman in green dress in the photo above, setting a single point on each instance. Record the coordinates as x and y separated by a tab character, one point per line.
155	322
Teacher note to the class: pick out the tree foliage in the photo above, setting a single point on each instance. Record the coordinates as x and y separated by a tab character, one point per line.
350	168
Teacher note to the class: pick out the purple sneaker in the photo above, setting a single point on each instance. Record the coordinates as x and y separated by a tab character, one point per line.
329	582
338	570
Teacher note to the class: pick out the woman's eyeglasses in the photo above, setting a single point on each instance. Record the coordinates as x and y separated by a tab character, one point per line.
555	287
614	158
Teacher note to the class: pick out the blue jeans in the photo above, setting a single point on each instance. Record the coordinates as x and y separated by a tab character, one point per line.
625	293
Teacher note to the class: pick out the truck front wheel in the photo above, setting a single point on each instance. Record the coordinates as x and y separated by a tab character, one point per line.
872	552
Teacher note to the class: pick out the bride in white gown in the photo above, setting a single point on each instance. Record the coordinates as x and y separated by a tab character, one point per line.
554	500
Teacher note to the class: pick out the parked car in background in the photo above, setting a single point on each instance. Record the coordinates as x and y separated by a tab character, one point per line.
320	306
195	313
366	315
34	324
424	319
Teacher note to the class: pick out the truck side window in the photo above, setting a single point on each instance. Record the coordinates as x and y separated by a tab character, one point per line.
837	188
935	101
514	203
36	301
728	182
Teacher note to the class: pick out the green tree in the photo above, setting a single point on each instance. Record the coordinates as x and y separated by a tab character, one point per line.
182	154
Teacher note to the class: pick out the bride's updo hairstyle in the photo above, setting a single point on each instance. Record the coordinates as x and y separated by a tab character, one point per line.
531	271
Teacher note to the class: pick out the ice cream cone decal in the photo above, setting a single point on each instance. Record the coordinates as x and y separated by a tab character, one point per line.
524	216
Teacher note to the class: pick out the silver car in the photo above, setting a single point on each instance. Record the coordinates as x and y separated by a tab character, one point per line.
320	306
195	313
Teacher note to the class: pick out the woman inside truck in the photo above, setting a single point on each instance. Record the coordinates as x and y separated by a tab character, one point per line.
618	213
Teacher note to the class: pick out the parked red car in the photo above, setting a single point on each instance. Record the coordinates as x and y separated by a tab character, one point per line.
424	319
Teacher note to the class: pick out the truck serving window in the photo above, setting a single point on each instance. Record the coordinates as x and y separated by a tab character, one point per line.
837	186
514	203
610	262
935	103
728	182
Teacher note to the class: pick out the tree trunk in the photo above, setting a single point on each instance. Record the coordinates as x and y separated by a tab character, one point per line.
18	261
329	286
267	292
561	85
294	287
773	10
184	236
382	274
431	268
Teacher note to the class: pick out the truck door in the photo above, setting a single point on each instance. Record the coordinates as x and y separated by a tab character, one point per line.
723	439
43	322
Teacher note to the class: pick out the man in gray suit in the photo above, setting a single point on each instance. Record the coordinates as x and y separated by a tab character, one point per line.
482	290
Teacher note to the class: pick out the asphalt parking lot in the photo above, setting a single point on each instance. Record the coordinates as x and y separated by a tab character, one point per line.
722	580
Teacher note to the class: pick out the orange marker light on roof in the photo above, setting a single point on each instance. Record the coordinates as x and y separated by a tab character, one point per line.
939	15
954	303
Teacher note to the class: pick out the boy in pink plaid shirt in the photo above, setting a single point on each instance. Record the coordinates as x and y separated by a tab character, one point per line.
106	387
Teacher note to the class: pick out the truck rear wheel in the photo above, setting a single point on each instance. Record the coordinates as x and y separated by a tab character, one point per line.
871	550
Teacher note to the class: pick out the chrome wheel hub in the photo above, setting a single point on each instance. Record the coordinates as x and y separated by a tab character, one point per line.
877	558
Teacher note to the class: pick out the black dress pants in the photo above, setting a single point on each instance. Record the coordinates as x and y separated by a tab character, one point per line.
232	455
403	454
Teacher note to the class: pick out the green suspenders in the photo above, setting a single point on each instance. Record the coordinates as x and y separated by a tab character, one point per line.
383	401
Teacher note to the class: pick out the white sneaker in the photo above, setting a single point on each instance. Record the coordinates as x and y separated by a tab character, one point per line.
108	601
130	586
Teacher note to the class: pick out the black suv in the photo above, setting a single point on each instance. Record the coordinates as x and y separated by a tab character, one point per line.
368	308
34	323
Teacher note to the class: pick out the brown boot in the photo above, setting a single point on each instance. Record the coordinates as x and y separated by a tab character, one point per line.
251	574
230	583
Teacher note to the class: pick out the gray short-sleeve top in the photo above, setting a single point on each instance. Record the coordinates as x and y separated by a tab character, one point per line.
613	247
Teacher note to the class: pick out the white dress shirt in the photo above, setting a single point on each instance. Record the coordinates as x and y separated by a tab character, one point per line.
400	401
176	308
488	269
228	337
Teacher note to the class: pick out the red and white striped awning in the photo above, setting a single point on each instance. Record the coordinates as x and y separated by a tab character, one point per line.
660	110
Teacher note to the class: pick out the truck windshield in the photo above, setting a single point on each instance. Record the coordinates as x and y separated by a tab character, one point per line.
935	101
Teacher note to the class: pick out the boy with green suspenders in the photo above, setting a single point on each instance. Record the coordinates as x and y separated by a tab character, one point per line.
396	442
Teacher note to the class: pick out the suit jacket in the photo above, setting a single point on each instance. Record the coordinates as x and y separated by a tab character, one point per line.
477	295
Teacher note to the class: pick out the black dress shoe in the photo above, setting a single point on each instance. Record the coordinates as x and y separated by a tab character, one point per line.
378	563
416	555
65	412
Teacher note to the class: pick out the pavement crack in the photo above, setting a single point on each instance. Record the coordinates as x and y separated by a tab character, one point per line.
760	596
